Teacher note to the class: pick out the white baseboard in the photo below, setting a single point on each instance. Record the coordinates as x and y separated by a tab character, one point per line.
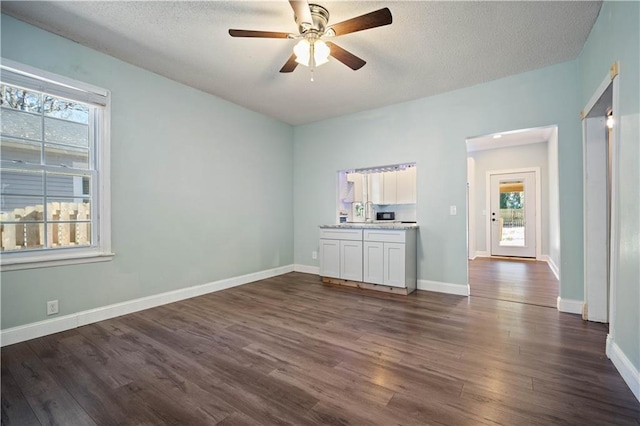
570	306
627	370
307	269
554	268
483	254
68	322
440	287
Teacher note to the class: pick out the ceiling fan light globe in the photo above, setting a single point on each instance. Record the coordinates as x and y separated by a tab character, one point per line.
321	52
302	52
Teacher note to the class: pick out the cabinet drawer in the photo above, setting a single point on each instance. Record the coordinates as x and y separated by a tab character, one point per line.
341	234
385	235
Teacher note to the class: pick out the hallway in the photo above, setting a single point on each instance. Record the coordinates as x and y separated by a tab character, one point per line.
513	280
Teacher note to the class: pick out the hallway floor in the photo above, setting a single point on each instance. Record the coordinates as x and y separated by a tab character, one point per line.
516	280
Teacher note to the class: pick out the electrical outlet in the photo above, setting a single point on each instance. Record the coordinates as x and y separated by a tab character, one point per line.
52	307
453	210
314	254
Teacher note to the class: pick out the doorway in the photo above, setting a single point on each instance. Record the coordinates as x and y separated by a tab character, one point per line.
512	200
514	241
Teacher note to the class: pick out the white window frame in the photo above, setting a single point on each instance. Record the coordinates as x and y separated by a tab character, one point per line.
58	85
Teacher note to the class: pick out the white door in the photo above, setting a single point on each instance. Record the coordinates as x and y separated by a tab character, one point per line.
513	214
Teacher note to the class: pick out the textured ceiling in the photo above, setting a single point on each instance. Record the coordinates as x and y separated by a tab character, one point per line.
431	47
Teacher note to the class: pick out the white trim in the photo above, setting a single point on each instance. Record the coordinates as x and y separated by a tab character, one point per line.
440	287
625	367
56	79
100	250
614	236
570	306
483	254
536	171
552	265
46	262
68	322
315	270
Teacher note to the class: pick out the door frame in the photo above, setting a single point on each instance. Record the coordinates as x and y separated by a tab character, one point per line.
536	171
609	80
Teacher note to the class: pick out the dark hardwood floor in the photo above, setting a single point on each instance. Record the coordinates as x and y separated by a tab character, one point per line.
514	280
288	350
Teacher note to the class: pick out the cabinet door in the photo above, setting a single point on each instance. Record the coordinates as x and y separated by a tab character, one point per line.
406	186
394	264
376	188
330	258
389	181
373	262
351	260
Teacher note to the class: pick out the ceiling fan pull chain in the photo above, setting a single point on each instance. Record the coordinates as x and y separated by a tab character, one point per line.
312	80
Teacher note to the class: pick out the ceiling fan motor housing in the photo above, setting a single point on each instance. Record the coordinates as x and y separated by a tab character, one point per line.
320	17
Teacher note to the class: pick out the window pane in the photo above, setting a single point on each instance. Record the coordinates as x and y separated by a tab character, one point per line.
66	132
65	185
72	234
68	209
512	219
17	236
21	182
21	124
19	208
20	150
65	109
20	99
57	155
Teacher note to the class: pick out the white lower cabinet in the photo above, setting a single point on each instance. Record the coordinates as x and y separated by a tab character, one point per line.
373	262
351	260
376	256
390	257
385	263
341	253
330	258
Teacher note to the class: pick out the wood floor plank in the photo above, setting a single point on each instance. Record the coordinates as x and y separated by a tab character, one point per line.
51	403
15	408
289	351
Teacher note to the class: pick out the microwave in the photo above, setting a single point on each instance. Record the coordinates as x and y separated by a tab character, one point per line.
385	216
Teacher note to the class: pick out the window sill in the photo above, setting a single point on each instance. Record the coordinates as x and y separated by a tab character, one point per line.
59	259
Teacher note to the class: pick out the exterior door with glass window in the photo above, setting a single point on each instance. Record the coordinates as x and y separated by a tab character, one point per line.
512	217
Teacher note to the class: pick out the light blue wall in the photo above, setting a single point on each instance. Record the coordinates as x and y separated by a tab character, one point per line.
194	183
616	37
432	132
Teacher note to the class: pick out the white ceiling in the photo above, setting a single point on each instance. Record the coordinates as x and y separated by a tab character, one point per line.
431	47
508	139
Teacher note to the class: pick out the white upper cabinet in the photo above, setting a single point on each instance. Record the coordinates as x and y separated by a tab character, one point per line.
376	188
406	186
390	183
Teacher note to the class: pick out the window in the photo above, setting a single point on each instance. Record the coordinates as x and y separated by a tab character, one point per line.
54	172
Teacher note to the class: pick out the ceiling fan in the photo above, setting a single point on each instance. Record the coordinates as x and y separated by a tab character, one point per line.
312	50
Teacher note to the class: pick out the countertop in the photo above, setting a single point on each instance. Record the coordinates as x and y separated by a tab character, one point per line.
373	225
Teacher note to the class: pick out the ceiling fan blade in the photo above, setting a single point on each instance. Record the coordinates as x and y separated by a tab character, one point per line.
301	11
290	65
374	19
259	34
346	57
